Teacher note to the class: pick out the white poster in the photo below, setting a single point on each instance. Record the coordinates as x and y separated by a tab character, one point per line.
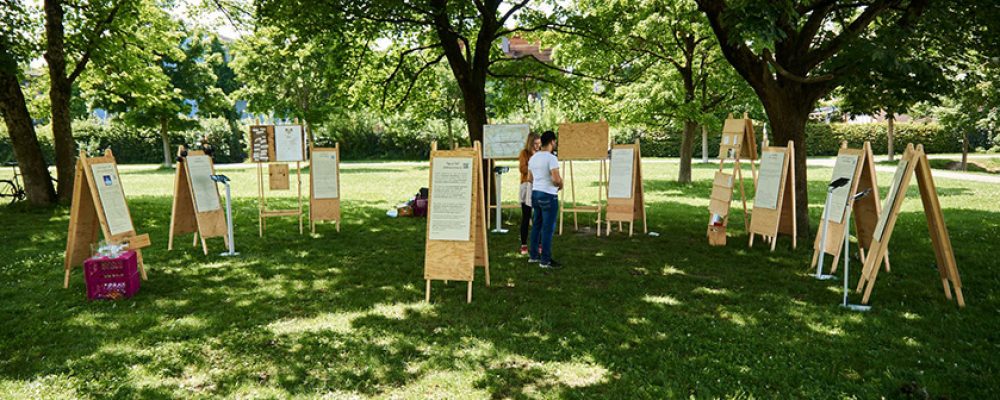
288	143
504	141
206	195
844	168
890	198
769	180
109	189
620	177
323	168
450	210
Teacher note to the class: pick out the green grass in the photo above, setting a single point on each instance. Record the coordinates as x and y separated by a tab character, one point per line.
341	315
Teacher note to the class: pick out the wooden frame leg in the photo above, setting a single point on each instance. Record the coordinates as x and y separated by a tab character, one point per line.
468	298
204	245
66	279
194	242
427	295
751	240
142	265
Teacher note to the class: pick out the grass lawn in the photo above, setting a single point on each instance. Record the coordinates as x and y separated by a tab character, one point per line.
341	315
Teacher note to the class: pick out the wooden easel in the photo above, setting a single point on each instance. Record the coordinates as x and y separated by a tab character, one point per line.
278	175
325	205
88	213
501	142
858	165
584	141
718	207
455	259
205	217
777	179
914	160
739	143
630	204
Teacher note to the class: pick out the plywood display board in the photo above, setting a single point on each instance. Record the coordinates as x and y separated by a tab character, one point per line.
456	219
738	144
324	185
914	160
99	205
858	165
196	207
273	146
504	141
718	208
774	202
626	198
584	141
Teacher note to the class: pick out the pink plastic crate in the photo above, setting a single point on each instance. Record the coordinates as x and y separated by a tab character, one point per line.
112	278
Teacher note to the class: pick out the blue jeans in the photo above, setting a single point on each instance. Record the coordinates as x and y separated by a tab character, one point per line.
544	211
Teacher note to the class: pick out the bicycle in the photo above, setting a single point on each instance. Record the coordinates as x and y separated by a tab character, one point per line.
11	188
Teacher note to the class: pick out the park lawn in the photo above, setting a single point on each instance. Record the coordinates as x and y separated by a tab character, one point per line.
341	315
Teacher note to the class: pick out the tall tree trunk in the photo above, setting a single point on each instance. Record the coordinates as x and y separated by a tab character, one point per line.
687	150
60	93
891	134
788	116
965	151
27	150
165	138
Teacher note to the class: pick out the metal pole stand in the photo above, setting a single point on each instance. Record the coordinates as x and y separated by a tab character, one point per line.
822	240
498	172
847	256
229	215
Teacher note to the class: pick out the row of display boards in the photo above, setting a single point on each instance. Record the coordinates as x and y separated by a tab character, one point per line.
774	208
456	227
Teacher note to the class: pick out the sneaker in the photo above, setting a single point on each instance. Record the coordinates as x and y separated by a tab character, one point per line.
553	264
532	260
524	249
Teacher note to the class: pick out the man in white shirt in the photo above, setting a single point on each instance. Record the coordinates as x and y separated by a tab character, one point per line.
545	185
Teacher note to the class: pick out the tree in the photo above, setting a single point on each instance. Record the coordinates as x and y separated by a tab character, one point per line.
684	75
16	50
794	53
67	57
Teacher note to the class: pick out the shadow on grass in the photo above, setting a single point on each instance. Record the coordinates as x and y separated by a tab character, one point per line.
636	317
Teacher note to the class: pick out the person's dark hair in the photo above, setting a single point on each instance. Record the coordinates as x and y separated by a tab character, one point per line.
548	137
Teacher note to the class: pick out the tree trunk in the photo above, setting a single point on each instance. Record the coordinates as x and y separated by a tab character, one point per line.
27	150
165	137
891	134
60	94
788	116
687	150
965	151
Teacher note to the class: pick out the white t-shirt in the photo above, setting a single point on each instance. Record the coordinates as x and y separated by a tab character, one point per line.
541	165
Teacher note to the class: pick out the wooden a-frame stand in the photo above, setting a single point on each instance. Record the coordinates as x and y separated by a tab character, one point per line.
583	141
914	160
277	180
184	215
455	260
88	216
866	210
323	209
769	222
631	208
739	143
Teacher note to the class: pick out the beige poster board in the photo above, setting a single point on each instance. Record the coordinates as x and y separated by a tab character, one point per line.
449	255
914	161
186	216
858	165
289	143
583	141
626	197
96	181
774	208
504	141
324	185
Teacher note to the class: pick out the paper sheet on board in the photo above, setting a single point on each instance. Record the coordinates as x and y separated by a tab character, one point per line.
109	188
620	177
845	167
288	143
206	195
323	168
450	210
890	199
769	180
504	141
